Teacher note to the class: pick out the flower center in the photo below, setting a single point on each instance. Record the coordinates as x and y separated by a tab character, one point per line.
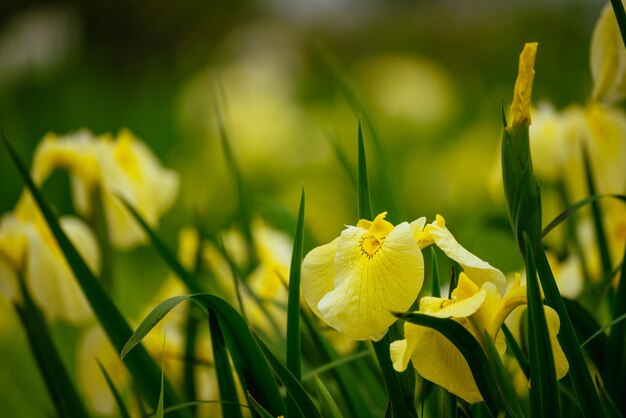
370	245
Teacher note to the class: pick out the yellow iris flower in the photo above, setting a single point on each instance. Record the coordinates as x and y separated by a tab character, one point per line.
354	282
28	249
478	310
123	166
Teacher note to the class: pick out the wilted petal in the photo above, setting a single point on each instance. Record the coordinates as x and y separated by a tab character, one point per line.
477	270
372	279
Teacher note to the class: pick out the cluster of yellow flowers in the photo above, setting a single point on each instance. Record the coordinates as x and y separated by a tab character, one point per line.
371	270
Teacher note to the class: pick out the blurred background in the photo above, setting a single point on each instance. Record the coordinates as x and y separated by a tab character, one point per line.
431	77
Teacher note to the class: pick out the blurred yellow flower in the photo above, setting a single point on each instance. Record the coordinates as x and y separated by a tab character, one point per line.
608	59
28	249
478	310
357	280
123	167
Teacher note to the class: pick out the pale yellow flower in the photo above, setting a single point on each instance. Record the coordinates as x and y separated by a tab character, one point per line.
478	310
123	167
357	280
28	248
608	59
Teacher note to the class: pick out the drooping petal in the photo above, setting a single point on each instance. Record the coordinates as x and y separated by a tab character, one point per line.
368	286
561	365
318	274
436	359
477	270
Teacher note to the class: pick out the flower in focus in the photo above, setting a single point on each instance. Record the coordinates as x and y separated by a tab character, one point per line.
354	282
478	310
123	167
29	250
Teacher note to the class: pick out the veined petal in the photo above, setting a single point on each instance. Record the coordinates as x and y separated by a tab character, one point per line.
368	285
436	359
402	350
318	274
477	270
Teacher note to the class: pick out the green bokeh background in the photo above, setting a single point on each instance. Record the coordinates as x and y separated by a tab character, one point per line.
132	64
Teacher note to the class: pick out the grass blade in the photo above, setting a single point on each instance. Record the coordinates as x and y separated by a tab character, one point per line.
363	190
58	383
223	369
620	14
327	403
168	256
258	408
616	363
573	208
471	350
141	366
601	241
507	392
116	395
544	396
295	390
254	372
294	349
342	158
344	375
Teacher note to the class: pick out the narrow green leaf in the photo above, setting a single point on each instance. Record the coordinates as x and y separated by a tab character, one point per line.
223	369
294	388
585	326
620	14
385	171
611	409
512	345
116	395
259	408
363	191
159	410
154	317
243	193
434	268
584	387
166	254
192	325
616	363
596	212
294	362
334	364
141	366
342	157
328	406
573	208
471	350
507	392
344	375
544	396
62	391
254	372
